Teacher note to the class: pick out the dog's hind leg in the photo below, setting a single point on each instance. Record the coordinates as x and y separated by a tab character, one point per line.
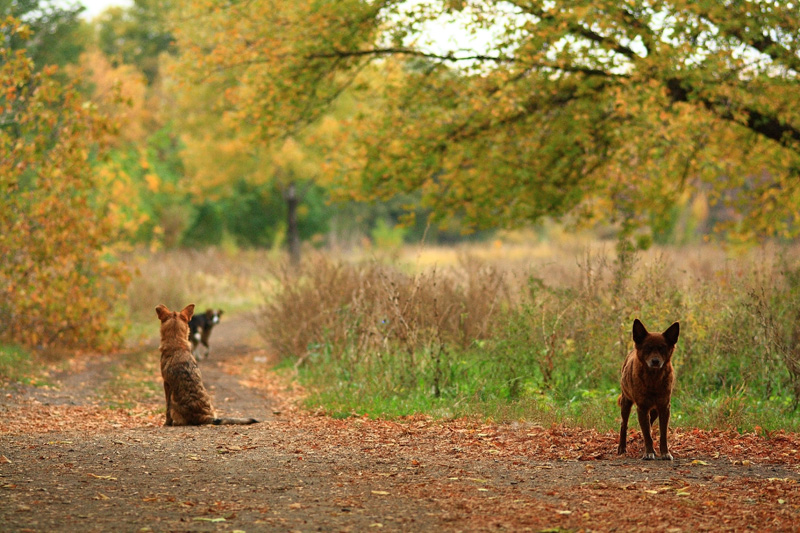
625	407
187	417
644	423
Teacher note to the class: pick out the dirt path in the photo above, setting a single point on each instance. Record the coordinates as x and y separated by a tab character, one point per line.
69	463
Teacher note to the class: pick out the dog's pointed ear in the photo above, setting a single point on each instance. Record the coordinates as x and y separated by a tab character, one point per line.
671	335
639	332
187	312
219	313
162	312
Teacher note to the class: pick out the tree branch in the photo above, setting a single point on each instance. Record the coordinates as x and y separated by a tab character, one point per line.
767	125
377	52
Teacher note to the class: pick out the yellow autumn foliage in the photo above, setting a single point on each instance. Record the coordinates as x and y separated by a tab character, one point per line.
59	279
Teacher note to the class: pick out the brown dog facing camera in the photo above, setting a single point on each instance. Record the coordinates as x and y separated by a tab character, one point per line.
188	403
647	381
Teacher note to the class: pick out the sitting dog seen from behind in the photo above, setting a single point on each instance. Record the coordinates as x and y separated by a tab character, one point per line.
188	402
647	381
200	327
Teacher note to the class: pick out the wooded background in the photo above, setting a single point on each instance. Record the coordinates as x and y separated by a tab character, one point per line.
266	124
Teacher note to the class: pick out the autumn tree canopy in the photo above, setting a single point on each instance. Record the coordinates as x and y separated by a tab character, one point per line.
59	280
593	108
55	30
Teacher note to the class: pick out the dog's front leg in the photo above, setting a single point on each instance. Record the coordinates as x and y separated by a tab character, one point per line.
195	344
169	410
644	423
663	424
625	408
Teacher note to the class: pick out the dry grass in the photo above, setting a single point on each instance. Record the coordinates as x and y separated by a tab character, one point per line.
362	309
208	278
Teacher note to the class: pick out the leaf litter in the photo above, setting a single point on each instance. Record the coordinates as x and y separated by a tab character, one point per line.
302	470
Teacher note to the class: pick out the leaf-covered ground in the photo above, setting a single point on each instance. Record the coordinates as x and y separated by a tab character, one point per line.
68	462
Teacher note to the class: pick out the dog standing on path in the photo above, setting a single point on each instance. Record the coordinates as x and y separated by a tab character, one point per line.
200	327
188	403
647	381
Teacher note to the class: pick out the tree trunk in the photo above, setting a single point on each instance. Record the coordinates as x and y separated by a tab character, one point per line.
292	231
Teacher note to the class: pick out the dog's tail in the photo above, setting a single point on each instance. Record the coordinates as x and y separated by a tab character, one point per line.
234	421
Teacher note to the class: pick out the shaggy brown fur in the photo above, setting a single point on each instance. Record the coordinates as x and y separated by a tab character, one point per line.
188	403
647	381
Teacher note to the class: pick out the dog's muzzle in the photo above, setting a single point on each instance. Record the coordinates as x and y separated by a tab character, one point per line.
655	362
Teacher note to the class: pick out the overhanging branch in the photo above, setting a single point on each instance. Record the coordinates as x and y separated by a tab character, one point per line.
378	52
769	126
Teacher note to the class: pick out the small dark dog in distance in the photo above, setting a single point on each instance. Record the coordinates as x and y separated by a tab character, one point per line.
200	327
647	381
188	402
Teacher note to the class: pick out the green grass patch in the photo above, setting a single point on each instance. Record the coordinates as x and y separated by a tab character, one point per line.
343	393
17	365
358	395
